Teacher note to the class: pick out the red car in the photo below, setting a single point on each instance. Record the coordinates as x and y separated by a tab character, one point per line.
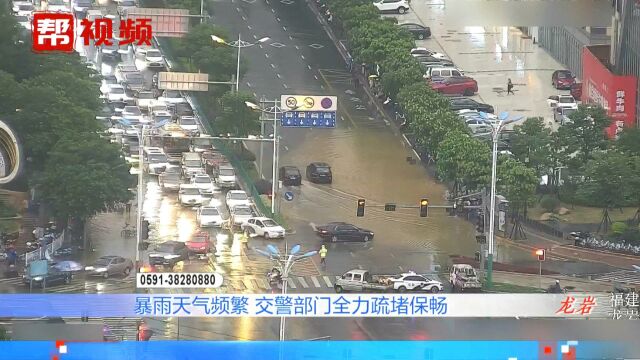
199	243
563	79
457	85
576	91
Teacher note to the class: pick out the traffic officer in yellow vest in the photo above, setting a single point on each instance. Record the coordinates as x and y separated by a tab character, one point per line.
323	255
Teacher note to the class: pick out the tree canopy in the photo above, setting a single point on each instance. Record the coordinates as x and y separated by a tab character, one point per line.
236	118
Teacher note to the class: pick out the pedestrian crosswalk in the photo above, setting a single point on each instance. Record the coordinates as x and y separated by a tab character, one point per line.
260	283
622	276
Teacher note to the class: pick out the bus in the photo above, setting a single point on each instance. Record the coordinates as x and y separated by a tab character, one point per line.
173	140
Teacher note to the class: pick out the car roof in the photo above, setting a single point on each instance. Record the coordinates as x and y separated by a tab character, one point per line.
357	271
320	164
237	192
262	218
463	266
171	242
339	223
188	186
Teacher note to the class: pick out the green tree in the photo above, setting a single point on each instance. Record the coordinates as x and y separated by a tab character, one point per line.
84	175
8	96
531	145
629	141
606	183
4	336
584	135
464	161
77	89
517	183
236	118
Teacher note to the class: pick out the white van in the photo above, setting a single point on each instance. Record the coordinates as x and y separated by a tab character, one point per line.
444	72
155	160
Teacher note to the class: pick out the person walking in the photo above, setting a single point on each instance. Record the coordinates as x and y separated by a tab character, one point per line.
510	87
323	255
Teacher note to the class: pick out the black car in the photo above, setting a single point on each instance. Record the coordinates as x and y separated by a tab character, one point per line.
343	232
53	277
418	31
169	253
319	172
290	175
463	103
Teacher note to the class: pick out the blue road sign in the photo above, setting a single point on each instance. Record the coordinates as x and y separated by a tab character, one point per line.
315	119
288	196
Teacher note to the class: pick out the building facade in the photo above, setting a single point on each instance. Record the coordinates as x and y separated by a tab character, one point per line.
626	55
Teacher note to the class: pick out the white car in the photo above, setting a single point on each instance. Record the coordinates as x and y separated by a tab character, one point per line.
226	176
478	126
240	214
190	195
419	51
58	6
116	94
413	282
209	216
172	97
144	98
398	6
156	162
237	197
132	114
160	116
106	83
565	101
189	125
154	58
263	226
205	184
23	8
156	105
24	21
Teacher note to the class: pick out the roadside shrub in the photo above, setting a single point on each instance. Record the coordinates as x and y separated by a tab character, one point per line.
618	228
549	203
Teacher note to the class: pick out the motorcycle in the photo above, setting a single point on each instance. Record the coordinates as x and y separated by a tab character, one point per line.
275	278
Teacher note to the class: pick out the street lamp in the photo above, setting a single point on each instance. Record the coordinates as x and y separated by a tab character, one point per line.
239	44
495	135
285	262
276	146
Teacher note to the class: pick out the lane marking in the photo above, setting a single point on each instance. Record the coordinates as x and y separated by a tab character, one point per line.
303	282
262	283
273	11
302	56
255	36
309	66
327	281
238	9
290	37
297	47
316	77
291	284
273	66
249	27
360	267
352	254
244	18
249	84
284	28
315	281
277	19
400	267
266	55
285	86
313	226
279	76
247	283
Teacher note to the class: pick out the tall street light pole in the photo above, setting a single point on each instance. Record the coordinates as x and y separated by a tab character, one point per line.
495	136
286	263
239	44
140	195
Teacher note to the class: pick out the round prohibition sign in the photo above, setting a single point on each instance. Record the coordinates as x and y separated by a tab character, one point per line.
291	102
309	102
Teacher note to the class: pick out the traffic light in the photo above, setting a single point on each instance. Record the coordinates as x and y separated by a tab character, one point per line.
541	254
424	207
360	212
145	230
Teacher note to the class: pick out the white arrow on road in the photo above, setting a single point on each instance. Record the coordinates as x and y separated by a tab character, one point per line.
636	267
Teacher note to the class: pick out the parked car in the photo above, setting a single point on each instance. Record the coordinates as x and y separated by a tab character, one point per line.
237	197
426	52
319	172
169	253
478	126
427	59
561	114
53	277
563	79
239	215
418	31
154	58
397	6
562	100
263	226
133	81
343	232
459	85
290	175
576	91
172	97
460	103
463	277
209	216
106	84
160	116
199	243
132	114
106	266
144	98
116	94
190	195
111	52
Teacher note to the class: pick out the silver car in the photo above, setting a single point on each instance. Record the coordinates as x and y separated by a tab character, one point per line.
110	265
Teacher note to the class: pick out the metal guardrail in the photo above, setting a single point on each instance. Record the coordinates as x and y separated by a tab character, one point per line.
40	253
540	226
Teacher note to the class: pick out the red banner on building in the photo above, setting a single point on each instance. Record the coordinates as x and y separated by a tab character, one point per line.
615	93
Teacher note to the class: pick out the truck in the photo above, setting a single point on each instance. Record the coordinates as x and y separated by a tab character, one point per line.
463	277
362	281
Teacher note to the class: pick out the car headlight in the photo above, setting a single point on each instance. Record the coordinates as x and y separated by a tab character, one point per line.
38	278
169	257
101	269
